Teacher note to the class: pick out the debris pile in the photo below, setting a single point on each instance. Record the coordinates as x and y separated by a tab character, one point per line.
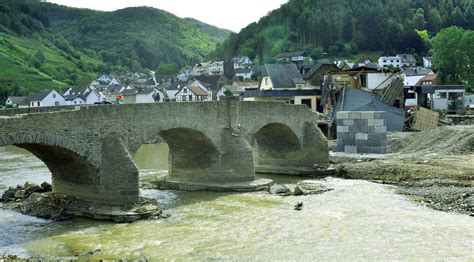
445	140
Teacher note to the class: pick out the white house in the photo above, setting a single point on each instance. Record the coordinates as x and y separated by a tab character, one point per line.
78	95
107	80
386	61
427	62
45	98
242	62
244	73
15	101
216	68
400	60
194	91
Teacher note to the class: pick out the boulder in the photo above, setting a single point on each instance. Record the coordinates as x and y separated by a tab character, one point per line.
8	195
279	189
46	187
31	187
298	191
312	187
20	194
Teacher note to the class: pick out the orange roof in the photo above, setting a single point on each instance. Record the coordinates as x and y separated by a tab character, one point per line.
197	90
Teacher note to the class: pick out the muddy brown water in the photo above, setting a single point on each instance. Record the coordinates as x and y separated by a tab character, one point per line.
358	220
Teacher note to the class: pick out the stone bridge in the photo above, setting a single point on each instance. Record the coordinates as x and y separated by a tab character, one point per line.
89	149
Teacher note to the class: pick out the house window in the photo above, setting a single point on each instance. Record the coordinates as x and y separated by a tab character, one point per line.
266	81
56	103
39	103
185	90
32	104
306	102
54	95
190	97
183	98
443	95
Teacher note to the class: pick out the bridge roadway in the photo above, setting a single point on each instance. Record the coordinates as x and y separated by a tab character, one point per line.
89	149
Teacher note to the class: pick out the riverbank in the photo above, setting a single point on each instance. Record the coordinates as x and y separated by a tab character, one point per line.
434	167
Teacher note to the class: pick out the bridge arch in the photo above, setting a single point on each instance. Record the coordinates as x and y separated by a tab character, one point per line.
70	164
275	139
192	154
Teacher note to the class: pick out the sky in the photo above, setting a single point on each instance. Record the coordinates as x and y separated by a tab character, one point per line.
229	14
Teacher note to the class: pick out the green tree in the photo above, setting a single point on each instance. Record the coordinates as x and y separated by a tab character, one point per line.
453	55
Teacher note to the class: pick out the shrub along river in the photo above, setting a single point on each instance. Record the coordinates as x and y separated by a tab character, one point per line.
358	220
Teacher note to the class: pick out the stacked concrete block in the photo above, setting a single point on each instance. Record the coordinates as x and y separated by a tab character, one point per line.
361	132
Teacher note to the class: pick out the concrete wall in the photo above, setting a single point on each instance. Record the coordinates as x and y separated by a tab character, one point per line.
89	149
361	132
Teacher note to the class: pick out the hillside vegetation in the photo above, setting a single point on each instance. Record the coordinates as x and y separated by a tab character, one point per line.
32	58
219	35
346	27
135	38
44	45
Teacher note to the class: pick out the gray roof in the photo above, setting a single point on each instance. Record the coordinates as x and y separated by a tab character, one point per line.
407	58
176	85
138	91
318	65
16	99
77	92
39	96
283	75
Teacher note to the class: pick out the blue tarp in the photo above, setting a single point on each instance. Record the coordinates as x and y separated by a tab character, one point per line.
358	100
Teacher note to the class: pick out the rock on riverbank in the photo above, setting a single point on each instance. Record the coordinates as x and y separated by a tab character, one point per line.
40	201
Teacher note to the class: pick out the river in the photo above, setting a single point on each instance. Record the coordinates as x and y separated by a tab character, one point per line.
358	220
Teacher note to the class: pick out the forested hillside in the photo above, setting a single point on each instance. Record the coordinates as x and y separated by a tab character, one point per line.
345	27
32	58
216	33
43	45
137	37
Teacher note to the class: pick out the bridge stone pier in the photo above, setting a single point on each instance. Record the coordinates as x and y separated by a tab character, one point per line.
89	149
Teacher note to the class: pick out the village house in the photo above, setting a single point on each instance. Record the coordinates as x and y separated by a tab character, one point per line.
15	101
283	82
244	73
45	98
169	91
386	61
193	92
142	95
78	95
216	68
400	60
107	80
427	62
323	67
214	83
242	62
